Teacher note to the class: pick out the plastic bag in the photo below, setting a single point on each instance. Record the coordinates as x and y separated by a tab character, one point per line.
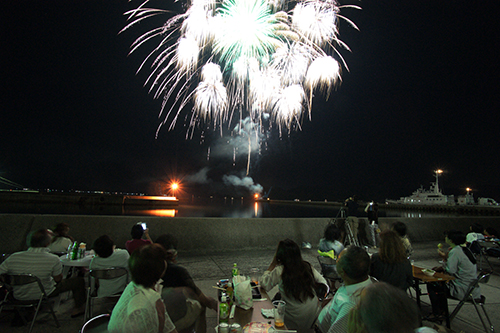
242	292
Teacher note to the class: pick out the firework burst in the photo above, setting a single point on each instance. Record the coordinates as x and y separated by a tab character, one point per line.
230	60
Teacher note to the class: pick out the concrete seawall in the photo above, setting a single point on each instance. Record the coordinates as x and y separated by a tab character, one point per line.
209	234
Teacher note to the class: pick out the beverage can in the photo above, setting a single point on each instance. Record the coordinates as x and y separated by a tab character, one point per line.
235	328
223	328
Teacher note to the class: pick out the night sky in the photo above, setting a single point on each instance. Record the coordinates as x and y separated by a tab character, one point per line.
422	93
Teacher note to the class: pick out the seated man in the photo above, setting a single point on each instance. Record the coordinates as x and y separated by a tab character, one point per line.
137	241
107	256
353	267
184	301
47	267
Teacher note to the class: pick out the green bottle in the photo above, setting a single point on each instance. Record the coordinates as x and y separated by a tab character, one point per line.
235	271
223	309
74	251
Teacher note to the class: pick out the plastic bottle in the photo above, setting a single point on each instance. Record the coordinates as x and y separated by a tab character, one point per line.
235	271
223	309
81	250
230	293
74	251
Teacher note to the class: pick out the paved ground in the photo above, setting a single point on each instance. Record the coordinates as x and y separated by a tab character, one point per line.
208	268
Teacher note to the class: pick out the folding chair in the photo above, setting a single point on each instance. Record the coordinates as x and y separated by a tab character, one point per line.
101	274
20	280
97	324
483	277
329	270
485	246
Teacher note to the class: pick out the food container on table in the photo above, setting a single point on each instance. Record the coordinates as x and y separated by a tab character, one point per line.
428	272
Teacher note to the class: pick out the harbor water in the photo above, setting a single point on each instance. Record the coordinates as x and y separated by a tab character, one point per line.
210	207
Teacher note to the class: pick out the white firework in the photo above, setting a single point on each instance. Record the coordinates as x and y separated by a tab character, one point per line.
260	59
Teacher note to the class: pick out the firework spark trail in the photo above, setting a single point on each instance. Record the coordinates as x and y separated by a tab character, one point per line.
258	58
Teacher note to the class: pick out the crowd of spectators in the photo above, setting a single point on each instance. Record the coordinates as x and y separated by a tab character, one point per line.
159	295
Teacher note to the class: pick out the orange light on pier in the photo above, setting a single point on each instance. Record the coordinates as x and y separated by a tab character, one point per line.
256	196
174	187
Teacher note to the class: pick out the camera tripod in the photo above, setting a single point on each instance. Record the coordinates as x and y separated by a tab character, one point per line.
349	238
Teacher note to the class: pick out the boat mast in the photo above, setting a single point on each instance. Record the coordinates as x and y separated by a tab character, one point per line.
437	172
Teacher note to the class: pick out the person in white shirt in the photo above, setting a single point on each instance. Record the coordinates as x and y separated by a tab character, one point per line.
61	240
473	237
38	260
140	307
108	256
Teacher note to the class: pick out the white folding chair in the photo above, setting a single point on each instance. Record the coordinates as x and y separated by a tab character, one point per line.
97	324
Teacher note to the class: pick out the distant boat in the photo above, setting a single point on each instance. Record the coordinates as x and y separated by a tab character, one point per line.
422	196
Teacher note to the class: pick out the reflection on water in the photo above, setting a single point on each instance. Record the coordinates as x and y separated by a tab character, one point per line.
212	207
153	212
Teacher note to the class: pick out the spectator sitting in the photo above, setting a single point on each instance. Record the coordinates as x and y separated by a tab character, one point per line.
402	230
61	240
140	308
460	263
330	240
137	241
390	264
107	257
48	268
353	267
473	236
184	301
384	308
475	233
296	280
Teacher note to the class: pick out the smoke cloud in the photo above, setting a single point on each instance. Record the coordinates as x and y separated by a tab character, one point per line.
246	182
200	177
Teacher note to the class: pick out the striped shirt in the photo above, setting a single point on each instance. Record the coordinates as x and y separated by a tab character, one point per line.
37	261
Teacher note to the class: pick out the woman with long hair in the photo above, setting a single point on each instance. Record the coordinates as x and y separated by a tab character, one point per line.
390	264
296	279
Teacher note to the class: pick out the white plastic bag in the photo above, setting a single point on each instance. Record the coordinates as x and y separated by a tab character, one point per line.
242	292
